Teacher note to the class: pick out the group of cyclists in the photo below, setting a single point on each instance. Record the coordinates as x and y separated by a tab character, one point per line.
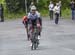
33	19
34	15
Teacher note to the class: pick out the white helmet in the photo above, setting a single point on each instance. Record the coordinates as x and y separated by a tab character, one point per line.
33	8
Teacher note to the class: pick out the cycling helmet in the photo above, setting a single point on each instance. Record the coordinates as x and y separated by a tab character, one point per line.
33	8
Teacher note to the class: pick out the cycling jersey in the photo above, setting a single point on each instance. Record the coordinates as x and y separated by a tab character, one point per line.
32	16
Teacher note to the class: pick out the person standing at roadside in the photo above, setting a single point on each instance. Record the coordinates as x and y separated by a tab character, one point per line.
57	12
51	6
72	4
1	13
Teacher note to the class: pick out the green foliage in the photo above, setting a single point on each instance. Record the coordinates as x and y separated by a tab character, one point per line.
8	15
44	3
15	8
44	12
12	5
2	1
15	5
66	13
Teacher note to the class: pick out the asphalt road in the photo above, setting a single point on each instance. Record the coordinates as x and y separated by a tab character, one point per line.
55	39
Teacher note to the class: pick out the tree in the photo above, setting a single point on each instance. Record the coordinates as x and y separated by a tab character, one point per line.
16	5
12	5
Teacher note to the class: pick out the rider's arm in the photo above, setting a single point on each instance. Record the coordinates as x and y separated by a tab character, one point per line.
38	14
29	17
39	17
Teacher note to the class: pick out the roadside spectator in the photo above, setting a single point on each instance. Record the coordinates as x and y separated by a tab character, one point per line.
57	12
1	13
72	4
51	6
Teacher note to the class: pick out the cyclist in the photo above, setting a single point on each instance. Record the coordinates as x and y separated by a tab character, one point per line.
39	16
25	22
33	17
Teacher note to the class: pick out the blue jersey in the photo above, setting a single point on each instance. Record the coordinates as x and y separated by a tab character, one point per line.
32	16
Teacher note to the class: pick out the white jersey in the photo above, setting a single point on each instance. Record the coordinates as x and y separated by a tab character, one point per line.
56	9
51	6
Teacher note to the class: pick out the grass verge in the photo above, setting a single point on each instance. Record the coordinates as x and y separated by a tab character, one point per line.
66	13
9	16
